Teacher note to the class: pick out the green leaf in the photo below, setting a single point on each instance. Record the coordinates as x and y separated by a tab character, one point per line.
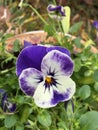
2	116
70	109
10	121
96	86
78	64
62	125
95	76
89	121
84	92
26	111
75	28
86	80
3	128
77	42
49	29
44	118
66	20
16	46
20	127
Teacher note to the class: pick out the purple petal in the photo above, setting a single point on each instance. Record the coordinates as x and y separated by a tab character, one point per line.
4	98
95	24
26	44
58	63
2	90
30	57
56	8
59	48
11	106
29	79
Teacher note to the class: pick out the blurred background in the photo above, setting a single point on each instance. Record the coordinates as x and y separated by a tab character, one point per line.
15	19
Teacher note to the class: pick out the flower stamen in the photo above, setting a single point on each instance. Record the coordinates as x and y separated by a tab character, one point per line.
48	79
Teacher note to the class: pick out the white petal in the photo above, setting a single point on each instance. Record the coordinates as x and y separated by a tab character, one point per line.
43	96
64	90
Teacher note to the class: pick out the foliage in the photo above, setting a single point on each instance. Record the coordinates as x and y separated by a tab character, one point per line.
27	115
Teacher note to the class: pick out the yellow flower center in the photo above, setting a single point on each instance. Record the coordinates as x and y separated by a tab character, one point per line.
48	79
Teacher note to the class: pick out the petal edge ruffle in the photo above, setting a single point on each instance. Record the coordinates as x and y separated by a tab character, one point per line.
58	63
30	57
29	80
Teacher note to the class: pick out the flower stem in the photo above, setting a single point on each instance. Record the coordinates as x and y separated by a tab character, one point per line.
42	19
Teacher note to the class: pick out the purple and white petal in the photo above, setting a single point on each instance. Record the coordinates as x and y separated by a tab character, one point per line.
29	79
59	48
57	63
3	101
52	8
11	106
50	97
64	89
43	96
30	57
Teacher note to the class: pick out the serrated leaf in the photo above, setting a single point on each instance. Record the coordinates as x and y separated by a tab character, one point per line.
44	119
89	121
16	46
49	29
84	92
66	20
10	121
62	125
20	127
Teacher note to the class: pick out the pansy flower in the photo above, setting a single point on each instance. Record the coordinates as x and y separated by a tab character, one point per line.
6	105
56	12
44	74
95	24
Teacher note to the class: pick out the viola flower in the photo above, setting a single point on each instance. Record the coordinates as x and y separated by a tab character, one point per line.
56	12
95	24
2	91
7	105
44	74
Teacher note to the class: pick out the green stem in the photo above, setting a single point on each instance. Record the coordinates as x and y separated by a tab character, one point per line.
70	125
36	13
54	2
7	70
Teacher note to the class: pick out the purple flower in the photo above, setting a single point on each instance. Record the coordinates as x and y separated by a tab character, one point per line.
2	91
7	105
95	24
56	12
44	73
